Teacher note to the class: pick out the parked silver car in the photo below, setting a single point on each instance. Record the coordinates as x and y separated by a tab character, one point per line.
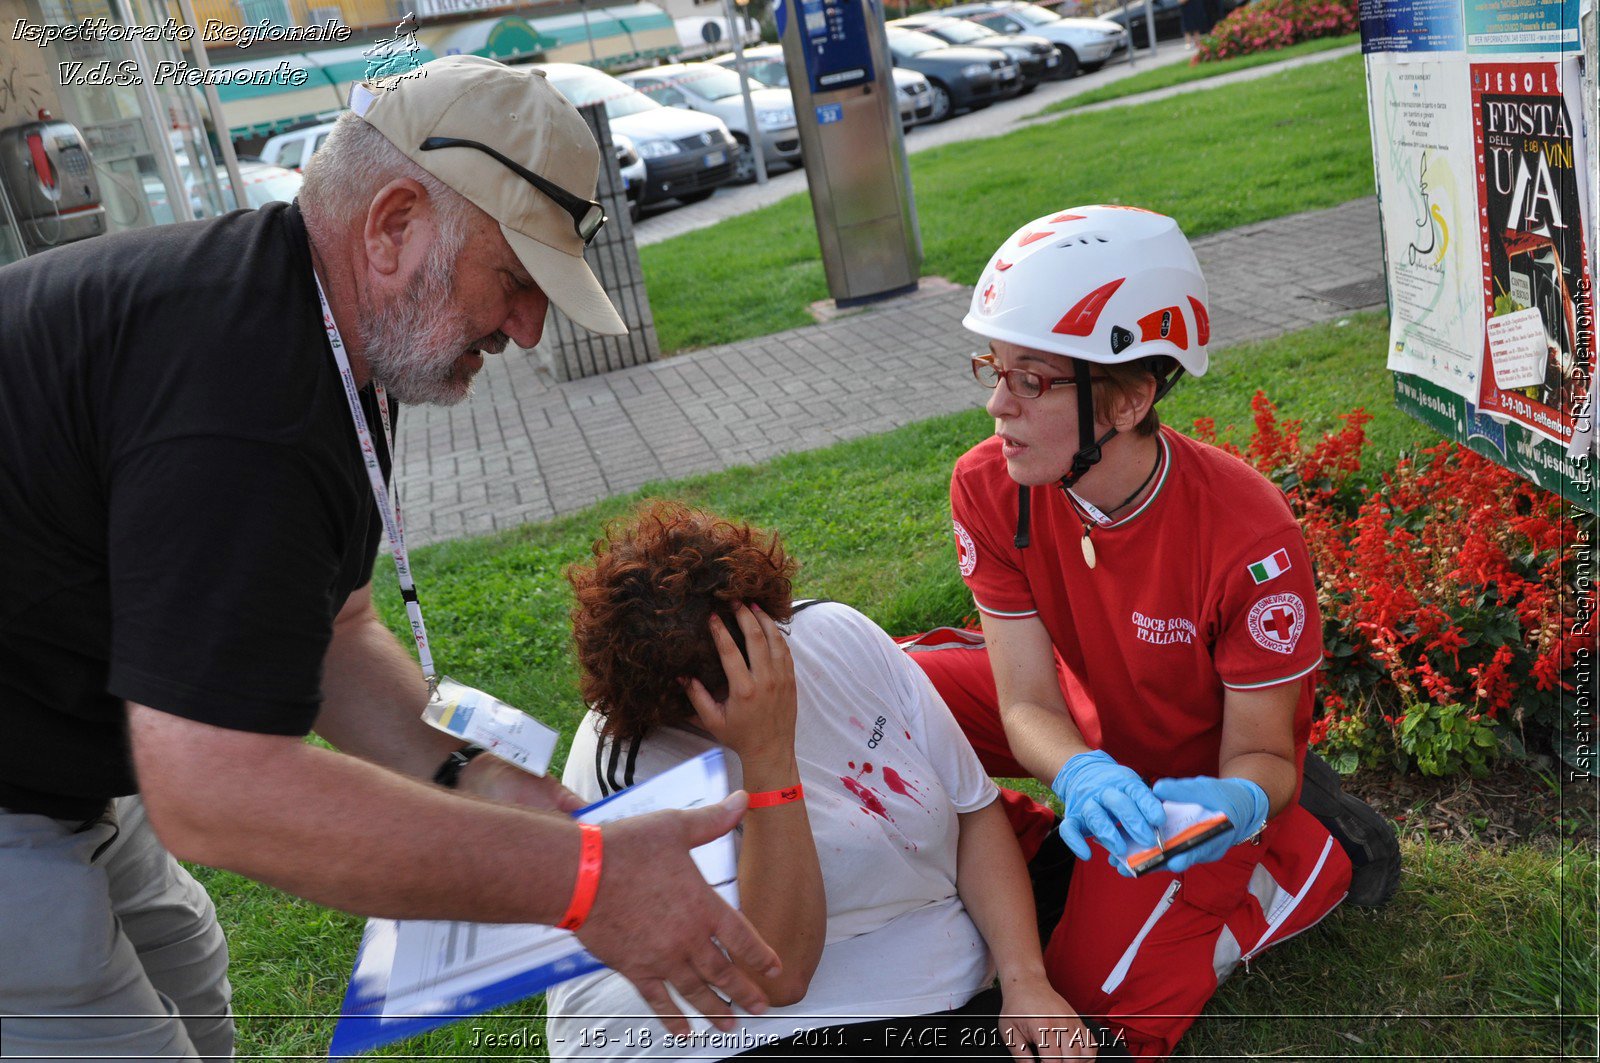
713	89
687	156
1084	43
765	64
263	183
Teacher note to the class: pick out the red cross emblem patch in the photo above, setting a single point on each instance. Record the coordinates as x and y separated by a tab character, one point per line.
989	298
966	551
1276	622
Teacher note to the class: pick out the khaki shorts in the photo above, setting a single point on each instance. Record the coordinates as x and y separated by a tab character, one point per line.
112	950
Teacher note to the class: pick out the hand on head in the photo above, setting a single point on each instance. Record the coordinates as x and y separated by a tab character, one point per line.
756	720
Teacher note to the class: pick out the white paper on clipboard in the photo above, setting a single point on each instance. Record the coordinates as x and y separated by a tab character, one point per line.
416	975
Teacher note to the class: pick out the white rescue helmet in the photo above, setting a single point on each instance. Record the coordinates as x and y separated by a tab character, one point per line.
1107	284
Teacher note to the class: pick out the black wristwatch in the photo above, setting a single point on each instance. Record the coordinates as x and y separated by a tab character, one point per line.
449	773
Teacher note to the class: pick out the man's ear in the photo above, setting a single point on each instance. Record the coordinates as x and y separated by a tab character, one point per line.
399	219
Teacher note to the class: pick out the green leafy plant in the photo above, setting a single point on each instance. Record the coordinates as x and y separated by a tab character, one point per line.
1447	739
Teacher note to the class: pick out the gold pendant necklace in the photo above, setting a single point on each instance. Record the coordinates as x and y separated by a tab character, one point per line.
1086	544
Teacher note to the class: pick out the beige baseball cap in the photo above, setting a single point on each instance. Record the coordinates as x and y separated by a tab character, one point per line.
517	112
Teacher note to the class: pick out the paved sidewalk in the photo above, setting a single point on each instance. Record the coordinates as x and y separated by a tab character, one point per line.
525	448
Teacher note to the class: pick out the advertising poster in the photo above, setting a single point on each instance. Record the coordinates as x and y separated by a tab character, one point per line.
1537	287
1526	27
1409	26
1423	149
1525	452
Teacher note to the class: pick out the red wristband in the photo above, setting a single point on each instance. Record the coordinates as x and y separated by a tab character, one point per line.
768	798
588	883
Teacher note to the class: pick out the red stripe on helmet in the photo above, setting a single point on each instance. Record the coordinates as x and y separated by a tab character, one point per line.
1034	237
1059	218
1165	324
1001	265
1080	320
1202	321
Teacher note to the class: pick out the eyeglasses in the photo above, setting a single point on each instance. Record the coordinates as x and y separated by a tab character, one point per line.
1020	382
587	215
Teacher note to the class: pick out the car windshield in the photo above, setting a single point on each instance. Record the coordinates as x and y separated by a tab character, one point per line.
276	188
1036	16
595	87
771	73
958	32
765	71
910	42
708	82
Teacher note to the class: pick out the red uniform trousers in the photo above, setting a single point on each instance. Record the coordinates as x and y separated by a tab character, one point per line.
1145	954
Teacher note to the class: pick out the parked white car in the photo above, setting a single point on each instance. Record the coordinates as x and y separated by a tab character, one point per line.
715	90
765	64
263	184
1084	43
634	171
686	155
291	150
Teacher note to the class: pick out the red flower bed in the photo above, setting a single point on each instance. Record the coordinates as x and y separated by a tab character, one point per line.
1448	596
1267	25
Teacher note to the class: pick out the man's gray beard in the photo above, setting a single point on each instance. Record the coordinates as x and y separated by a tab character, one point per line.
412	345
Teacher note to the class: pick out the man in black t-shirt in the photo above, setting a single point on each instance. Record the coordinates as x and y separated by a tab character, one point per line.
187	533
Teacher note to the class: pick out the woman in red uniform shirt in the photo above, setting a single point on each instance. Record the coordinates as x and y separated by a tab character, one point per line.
1150	628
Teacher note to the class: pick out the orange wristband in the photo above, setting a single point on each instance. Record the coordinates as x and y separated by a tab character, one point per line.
768	798
588	883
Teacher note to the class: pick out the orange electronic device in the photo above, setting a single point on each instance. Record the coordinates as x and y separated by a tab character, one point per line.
1187	826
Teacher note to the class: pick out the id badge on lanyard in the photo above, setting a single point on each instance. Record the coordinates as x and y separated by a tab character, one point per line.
455	708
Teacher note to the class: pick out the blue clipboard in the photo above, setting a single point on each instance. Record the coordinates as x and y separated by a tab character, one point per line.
363	1025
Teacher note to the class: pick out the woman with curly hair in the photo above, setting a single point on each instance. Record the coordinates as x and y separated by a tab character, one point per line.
874	858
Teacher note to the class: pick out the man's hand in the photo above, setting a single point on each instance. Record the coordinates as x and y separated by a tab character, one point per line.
657	923
489	776
1097	793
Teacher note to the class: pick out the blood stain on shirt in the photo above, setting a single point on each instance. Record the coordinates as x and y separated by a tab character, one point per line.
897	783
869	800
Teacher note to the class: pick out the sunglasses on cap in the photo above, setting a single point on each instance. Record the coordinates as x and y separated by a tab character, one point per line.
587	215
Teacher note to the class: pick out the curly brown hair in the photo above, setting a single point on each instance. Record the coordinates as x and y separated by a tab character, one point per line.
639	622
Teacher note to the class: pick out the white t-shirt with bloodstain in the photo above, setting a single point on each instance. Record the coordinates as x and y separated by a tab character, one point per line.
886	771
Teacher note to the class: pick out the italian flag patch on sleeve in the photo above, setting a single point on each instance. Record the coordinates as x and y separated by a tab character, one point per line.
1270	567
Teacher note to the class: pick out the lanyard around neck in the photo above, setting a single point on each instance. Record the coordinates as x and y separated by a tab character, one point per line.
388	510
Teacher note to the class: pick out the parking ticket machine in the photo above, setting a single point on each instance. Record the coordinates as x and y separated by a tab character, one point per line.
842	78
55	196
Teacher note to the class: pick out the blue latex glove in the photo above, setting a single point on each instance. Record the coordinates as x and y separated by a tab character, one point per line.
1096	793
1242	801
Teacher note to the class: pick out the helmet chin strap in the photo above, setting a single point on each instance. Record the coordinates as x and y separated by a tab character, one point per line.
1089	448
1088	455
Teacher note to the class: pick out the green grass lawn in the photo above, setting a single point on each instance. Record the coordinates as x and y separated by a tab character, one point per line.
1214	160
1163	77
1480	954
1475	939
